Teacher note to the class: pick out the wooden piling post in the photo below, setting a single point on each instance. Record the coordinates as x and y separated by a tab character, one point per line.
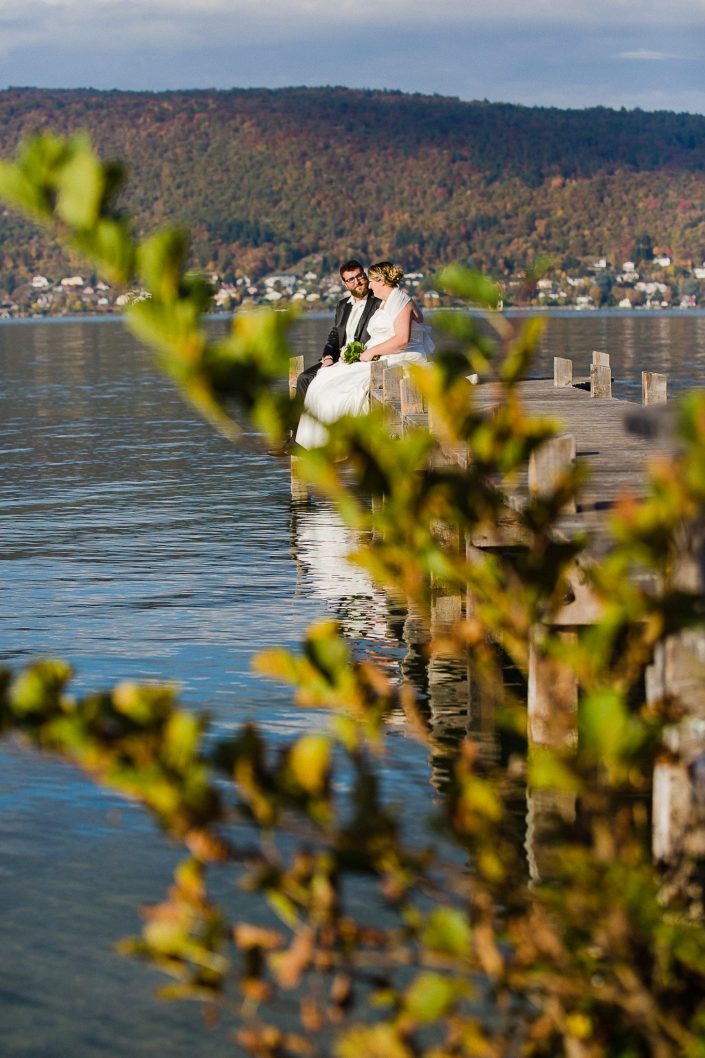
296	366
671	794
547	811
299	488
410	398
562	371
548	463
447	454
600	375
377	369
654	388
392	384
552	701
447	685
391	397
678	673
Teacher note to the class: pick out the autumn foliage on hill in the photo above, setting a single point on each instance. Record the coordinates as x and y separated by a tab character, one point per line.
265	179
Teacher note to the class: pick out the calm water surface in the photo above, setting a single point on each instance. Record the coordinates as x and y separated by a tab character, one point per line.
137	544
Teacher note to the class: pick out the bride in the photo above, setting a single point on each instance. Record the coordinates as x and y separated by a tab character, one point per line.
397	335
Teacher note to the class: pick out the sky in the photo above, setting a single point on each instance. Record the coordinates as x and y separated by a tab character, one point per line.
565	53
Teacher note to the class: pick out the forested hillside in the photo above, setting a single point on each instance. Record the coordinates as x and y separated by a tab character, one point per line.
265	179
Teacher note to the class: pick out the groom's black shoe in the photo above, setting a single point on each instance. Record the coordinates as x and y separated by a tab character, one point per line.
285	450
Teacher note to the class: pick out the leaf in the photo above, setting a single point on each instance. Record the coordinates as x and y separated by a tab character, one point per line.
112	244
376	1041
81	185
247	936
35	690
161	260
278	663
547	770
447	930
291	964
190	879
474	286
429	997
284	908
144	704
181	739
603	723
310	758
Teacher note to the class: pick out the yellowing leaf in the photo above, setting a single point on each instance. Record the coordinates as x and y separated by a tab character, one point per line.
310	762
377	1041
429	997
81	184
447	930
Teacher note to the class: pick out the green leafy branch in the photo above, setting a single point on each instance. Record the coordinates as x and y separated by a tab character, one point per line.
589	960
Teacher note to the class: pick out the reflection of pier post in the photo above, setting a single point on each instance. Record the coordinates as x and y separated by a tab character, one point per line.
447	684
486	689
552	695
552	717
553	692
547	813
299	489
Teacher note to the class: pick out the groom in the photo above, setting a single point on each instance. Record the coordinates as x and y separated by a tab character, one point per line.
352	316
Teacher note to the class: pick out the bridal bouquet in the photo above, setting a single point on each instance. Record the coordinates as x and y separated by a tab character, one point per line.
351	352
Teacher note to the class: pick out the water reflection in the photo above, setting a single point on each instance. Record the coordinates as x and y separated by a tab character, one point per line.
321	543
407	645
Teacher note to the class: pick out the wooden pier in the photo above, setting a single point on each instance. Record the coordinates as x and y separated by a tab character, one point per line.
615	439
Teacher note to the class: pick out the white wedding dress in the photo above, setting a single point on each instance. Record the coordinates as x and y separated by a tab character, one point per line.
343	389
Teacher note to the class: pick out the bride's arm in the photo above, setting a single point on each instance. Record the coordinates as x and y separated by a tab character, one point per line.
400	338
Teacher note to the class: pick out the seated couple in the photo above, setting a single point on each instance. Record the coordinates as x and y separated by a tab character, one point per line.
390	325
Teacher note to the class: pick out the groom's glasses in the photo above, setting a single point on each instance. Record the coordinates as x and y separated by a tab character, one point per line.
351	280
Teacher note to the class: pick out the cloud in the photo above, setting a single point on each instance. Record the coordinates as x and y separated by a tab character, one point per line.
526	51
646	55
306	16
172	27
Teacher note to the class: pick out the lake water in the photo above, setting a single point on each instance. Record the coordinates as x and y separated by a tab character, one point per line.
137	544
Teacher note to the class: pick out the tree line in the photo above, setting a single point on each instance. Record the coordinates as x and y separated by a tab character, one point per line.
267	179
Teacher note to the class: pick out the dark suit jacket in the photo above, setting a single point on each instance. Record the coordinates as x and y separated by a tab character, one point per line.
336	338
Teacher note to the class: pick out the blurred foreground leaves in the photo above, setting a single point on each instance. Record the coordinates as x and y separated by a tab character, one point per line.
390	948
